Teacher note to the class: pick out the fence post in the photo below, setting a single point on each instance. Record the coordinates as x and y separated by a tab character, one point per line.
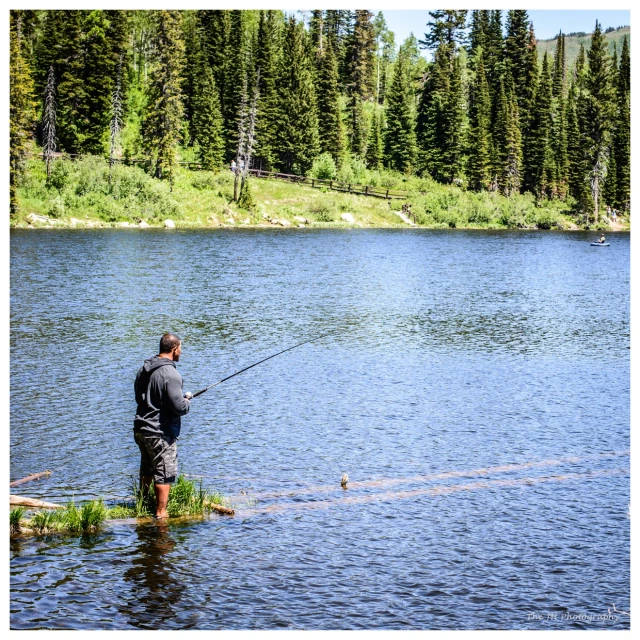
349	187
366	190
331	185
387	194
313	182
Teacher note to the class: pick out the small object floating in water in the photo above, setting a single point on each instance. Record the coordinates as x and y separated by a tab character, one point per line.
600	244
343	482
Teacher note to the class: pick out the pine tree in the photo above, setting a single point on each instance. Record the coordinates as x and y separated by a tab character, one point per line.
576	163
361	56
236	66
559	122
400	139
446	27
194	52
207	119
516	49
431	113
440	118
622	141
507	142
388	49
298	123
71	89
269	52
599	113
375	147
97	79
479	148
164	112
216	26
479	30
539	167
330	126
21	107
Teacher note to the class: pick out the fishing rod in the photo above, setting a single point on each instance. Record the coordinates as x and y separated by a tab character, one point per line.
295	346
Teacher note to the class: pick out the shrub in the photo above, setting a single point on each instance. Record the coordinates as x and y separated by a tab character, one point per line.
323	168
56	207
59	174
323	210
203	180
245	199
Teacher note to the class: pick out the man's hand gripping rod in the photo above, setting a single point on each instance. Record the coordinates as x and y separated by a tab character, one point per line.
215	384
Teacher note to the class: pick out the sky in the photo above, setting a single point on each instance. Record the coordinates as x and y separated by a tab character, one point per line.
546	22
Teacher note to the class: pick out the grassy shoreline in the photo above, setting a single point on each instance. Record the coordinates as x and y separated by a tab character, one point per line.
82	194
186	499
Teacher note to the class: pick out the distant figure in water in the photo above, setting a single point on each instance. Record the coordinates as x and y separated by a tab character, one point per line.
601	241
343	482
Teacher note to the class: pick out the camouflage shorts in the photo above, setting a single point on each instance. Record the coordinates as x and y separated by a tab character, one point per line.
158	457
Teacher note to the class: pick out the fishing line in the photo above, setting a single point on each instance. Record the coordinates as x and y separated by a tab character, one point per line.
295	346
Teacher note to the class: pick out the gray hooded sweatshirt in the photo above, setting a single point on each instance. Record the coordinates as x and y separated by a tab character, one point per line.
159	398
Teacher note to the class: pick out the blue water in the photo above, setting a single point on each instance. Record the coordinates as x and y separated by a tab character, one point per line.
475	389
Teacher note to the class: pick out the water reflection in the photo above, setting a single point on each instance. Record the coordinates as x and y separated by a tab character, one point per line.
155	591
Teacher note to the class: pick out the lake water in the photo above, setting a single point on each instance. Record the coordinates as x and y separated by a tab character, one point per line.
476	392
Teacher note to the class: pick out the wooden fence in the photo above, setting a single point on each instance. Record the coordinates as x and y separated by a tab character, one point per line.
333	185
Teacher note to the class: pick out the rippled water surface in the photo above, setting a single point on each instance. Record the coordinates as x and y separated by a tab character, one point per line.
476	392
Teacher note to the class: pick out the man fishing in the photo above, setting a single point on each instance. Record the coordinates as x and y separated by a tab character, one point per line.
156	427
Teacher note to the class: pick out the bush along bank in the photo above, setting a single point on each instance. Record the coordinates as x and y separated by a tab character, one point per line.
87	193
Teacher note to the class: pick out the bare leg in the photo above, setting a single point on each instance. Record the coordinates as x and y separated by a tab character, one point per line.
162	496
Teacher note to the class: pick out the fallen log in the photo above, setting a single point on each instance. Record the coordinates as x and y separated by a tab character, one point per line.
22	501
33	476
220	509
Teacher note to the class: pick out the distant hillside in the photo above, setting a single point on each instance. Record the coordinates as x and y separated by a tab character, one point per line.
572	44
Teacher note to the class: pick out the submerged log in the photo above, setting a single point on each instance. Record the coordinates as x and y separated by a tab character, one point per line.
22	501
33	476
220	509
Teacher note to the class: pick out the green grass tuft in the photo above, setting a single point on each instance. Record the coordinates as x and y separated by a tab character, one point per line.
15	516
186	498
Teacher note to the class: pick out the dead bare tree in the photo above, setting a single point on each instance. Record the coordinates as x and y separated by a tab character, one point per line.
246	135
116	118
49	121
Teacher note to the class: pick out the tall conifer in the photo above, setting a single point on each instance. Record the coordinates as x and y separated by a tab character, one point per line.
269	51
330	126
599	113
400	138
479	147
298	122
164	112
21	107
622	141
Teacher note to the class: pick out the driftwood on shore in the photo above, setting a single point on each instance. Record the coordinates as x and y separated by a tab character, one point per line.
22	501
33	476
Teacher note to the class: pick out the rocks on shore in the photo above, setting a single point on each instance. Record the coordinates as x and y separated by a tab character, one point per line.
348	217
169	224
38	220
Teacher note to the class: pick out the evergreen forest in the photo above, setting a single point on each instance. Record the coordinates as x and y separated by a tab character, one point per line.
313	91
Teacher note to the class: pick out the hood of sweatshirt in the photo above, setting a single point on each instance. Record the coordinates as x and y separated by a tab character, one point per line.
151	364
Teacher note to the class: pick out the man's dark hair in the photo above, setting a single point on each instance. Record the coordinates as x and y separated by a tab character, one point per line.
168	342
